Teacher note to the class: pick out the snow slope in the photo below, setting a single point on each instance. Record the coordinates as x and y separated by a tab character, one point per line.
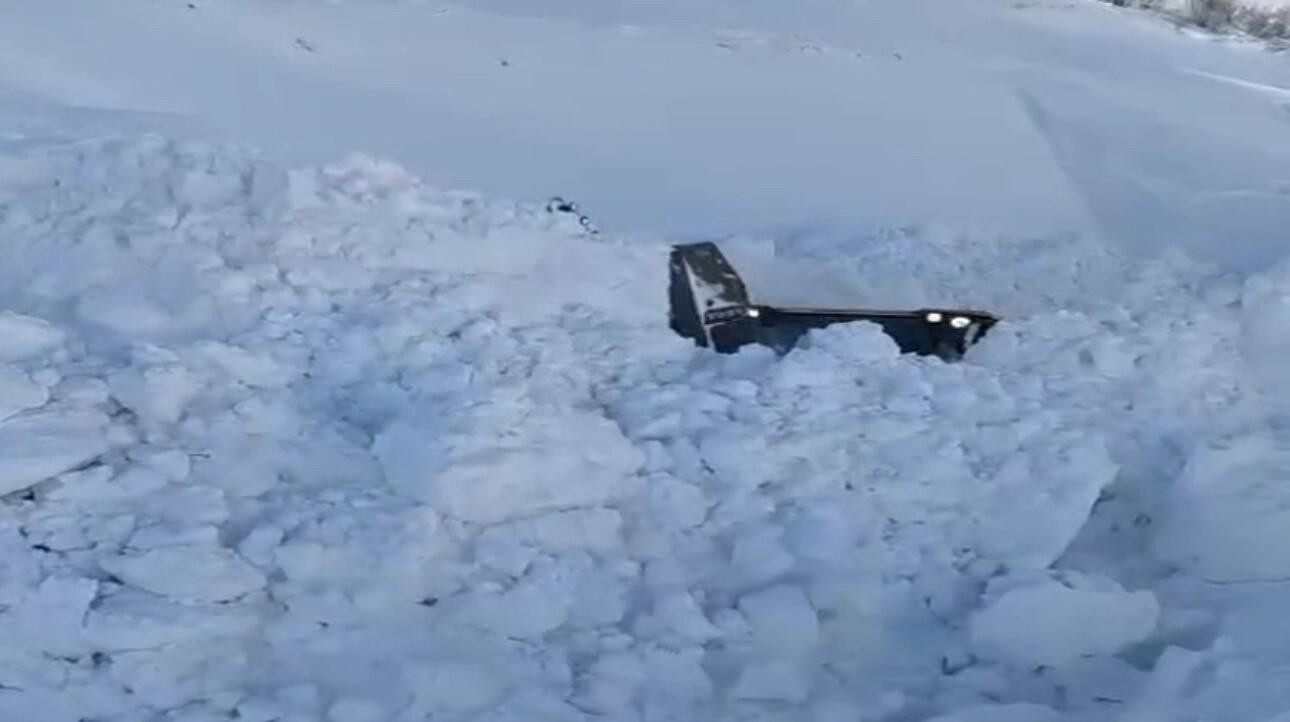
718	116
287	441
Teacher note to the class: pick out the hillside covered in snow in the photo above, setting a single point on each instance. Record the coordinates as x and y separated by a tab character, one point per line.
1264	19
294	430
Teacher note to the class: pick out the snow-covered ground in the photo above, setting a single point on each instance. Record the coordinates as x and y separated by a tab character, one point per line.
295	435
718	116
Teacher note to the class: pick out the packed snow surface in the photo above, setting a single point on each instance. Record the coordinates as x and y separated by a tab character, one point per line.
283	441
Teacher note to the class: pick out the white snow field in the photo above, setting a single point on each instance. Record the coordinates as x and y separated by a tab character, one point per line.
718	116
295	435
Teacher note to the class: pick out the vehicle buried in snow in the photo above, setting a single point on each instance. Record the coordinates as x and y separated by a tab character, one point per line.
709	303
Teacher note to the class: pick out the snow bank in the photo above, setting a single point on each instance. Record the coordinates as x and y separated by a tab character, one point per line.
1064	622
328	444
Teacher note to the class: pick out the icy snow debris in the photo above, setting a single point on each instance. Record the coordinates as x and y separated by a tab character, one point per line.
858	343
1177	675
759	555
564	531
36	447
256	370
611	683
129	312
1051	623
1230	510
1044	521
22	337
1265	329
784	630
174	675
133	619
782	619
773	680
480	468
158	393
50	618
452	687
475	475
512	546
19	392
677	674
187	573
539	603
174	464
679	613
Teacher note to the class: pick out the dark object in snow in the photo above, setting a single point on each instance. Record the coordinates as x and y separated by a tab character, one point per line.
562	206
709	303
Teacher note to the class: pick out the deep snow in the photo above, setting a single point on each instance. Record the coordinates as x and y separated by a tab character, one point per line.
291	442
328	444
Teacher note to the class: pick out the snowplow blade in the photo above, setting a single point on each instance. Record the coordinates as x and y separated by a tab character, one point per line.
709	304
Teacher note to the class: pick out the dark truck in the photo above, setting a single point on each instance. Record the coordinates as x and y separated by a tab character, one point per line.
709	303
